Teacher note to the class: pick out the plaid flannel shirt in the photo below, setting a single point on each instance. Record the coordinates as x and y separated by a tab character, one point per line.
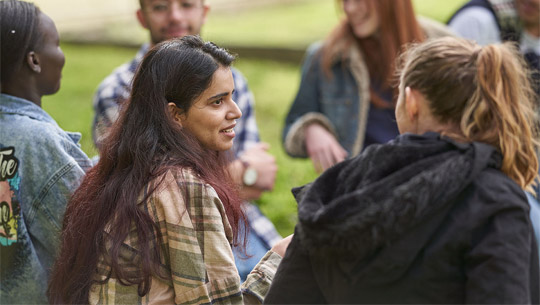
116	88
196	254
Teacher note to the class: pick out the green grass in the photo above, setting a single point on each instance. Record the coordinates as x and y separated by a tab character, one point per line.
296	24
273	83
293	25
86	67
437	9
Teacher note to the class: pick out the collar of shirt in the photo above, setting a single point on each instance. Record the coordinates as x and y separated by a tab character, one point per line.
16	105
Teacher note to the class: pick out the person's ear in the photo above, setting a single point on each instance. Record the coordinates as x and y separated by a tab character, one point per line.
32	60
206	9
176	113
142	19
411	103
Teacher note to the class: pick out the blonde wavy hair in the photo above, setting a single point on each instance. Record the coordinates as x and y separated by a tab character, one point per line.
486	91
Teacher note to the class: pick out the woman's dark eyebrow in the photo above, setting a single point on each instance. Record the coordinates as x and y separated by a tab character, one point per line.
219	95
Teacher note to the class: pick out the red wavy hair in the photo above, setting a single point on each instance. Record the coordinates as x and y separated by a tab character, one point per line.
398	27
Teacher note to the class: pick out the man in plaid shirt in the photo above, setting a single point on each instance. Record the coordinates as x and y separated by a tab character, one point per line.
254	168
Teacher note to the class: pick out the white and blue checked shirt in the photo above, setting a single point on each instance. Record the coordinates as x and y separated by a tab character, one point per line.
116	88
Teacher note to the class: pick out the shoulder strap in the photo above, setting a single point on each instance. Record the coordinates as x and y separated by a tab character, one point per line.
473	3
507	19
505	16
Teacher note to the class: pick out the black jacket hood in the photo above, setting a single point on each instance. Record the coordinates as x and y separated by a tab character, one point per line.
364	204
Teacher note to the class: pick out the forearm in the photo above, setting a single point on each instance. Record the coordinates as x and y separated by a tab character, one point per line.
247	193
259	280
236	169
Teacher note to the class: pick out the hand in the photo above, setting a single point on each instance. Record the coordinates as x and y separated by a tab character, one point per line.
323	148
281	246
247	193
264	163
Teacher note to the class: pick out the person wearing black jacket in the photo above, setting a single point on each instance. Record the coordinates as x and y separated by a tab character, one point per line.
439	214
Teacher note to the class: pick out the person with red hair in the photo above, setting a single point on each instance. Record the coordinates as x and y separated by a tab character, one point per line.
438	215
345	101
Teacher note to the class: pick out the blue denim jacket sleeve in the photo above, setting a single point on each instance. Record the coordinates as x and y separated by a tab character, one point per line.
49	166
49	175
305	106
333	102
67	167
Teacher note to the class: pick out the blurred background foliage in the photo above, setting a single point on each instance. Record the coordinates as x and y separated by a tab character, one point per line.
95	44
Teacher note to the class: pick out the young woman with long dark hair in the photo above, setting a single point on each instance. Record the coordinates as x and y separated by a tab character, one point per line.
154	220
438	215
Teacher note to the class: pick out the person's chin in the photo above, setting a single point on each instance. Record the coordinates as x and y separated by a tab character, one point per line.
177	34
225	147
363	34
53	90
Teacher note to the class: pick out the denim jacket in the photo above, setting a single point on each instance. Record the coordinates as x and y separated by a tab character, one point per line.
337	103
340	103
40	166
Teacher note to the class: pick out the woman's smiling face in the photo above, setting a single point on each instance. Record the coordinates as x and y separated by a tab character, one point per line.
362	17
212	116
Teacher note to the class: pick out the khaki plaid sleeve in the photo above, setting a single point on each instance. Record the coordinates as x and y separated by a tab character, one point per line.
197	237
259	280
